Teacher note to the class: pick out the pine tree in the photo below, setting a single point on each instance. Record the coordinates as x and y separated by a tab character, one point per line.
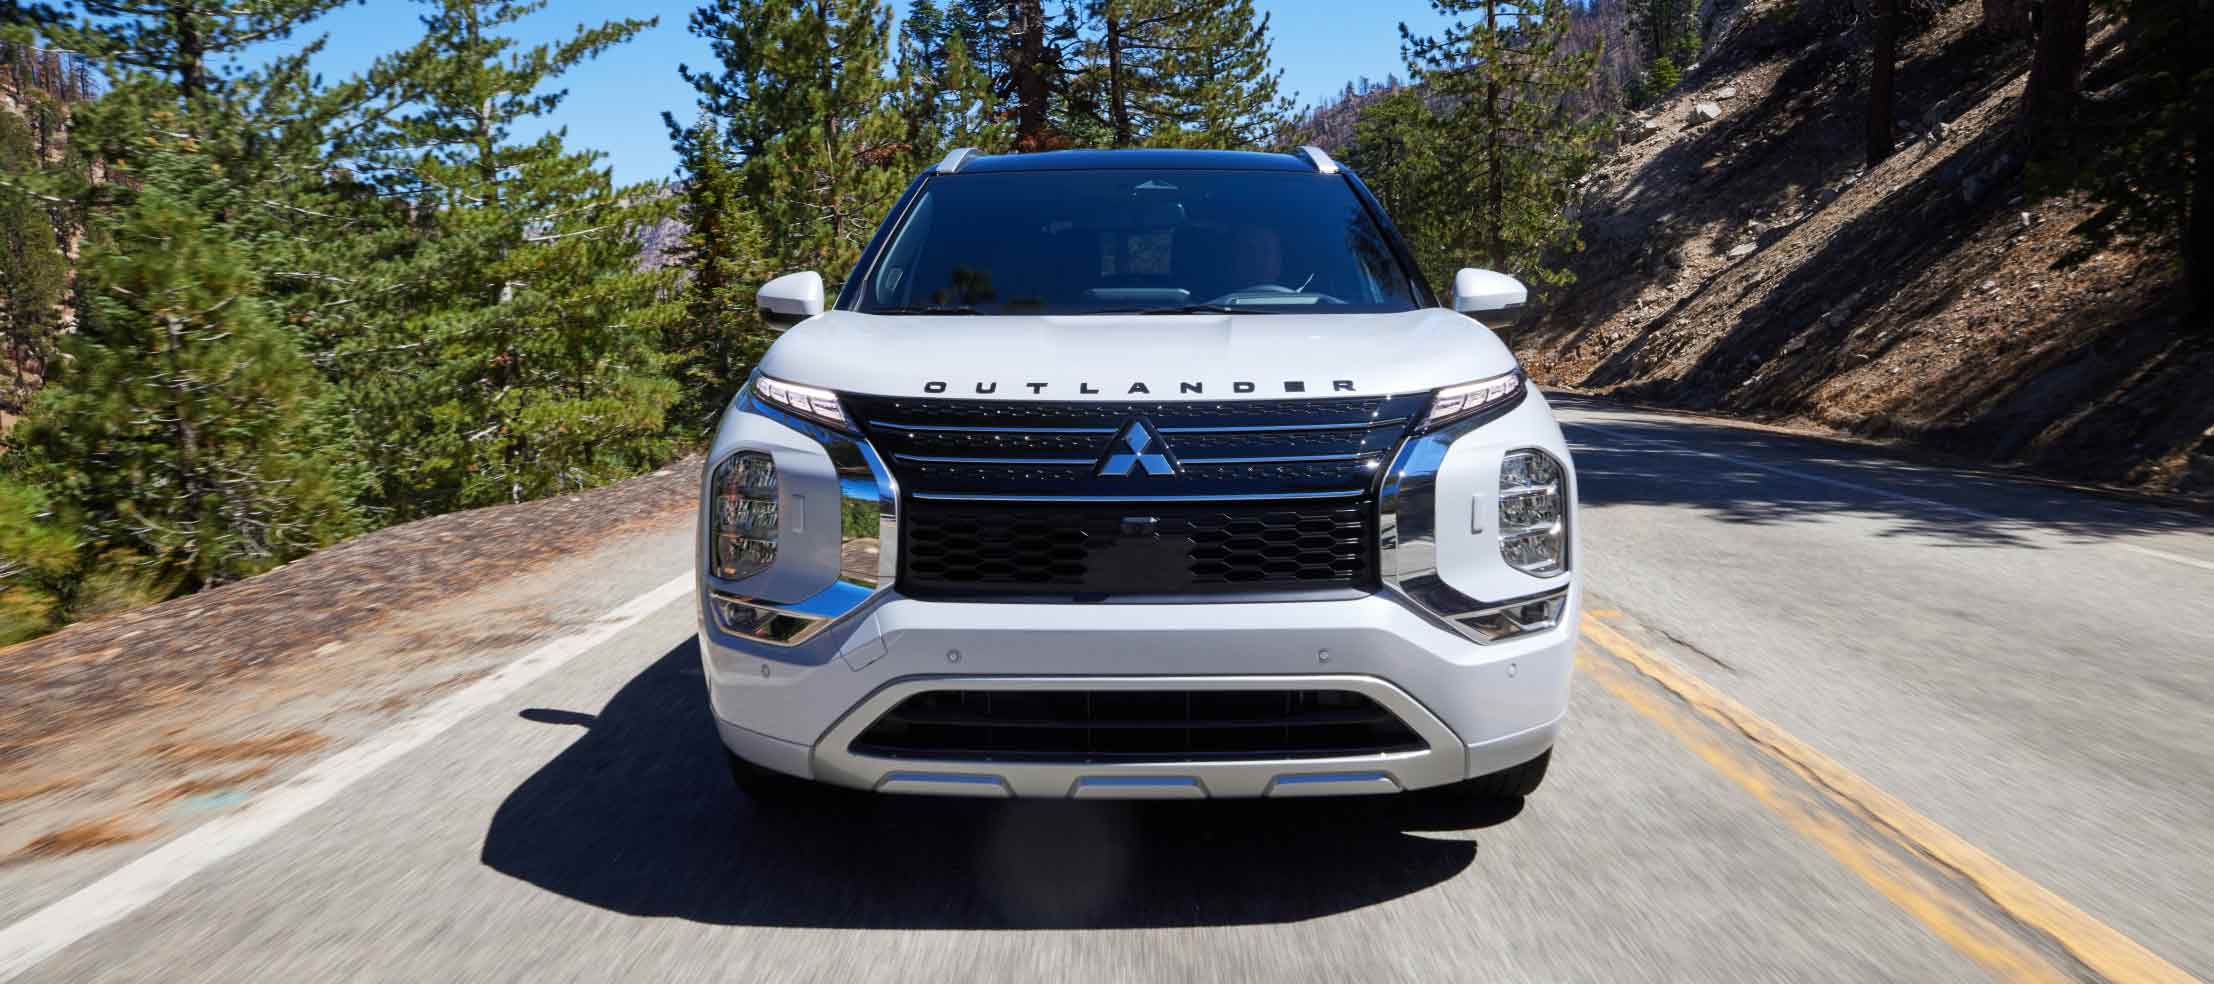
34	273
1395	150
945	97
1883	64
966	113
919	67
38	561
1667	38
720	337
180	428
182	42
1129	41
802	98
1219	88
512	350
1504	151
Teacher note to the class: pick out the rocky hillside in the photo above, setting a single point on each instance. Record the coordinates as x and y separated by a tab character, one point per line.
1741	259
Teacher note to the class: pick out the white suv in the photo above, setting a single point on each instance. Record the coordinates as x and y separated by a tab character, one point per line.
1138	474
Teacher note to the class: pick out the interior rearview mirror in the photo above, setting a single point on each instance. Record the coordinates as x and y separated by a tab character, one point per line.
790	299
1487	296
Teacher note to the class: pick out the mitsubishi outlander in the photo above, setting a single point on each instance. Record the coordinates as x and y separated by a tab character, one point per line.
1138	474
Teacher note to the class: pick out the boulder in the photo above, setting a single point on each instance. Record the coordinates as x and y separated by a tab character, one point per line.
1728	92
1743	250
1704	112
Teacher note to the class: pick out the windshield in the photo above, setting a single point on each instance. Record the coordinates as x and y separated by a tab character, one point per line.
1136	241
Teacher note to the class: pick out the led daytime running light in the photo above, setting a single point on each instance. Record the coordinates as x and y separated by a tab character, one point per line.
819	405
1454	402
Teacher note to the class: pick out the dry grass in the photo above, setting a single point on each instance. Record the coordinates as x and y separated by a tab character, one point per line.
282	745
23	791
83	836
206	784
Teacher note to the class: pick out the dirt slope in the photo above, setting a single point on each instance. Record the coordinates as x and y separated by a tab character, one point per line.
1752	265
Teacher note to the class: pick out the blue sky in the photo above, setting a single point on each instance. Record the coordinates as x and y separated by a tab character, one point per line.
615	103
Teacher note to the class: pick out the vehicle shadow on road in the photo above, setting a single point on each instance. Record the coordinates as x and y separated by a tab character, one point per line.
639	816
1760	477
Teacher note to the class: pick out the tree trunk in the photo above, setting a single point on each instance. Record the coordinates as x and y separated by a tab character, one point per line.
2006	18
1027	64
2056	70
1883	65
191	56
1118	97
1495	196
2198	228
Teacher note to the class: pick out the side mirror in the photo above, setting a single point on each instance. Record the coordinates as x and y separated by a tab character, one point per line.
1492	298
790	299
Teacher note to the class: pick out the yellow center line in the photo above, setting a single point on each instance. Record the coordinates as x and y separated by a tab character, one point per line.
1876	849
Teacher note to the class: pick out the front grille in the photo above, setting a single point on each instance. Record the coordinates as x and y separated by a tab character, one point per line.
1010	497
1133	548
1292	448
1134	726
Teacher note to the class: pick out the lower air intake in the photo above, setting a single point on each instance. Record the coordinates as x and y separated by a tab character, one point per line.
1108	726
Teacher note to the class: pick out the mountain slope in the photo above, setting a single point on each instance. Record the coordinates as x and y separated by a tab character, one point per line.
1752	265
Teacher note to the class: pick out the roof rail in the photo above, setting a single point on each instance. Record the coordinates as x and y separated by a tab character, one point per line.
1320	159
953	162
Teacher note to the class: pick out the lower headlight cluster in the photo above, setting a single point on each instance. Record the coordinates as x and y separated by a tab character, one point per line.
1533	513
743	520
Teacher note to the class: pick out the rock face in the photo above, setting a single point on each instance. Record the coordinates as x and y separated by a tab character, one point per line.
1704	112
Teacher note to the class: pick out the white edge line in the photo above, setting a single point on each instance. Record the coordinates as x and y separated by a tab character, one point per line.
122	891
2173	558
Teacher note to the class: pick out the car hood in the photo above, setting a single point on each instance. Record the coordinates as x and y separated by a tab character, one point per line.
1142	357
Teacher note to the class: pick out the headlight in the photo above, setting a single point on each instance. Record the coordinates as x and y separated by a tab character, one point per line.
819	405
1533	513
743	521
1454	402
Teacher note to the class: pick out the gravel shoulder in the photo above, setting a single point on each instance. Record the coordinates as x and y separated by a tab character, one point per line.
119	733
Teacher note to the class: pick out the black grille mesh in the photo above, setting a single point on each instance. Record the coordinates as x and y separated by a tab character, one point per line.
1133	549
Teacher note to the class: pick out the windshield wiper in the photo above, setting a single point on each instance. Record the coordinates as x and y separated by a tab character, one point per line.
1188	309
930	309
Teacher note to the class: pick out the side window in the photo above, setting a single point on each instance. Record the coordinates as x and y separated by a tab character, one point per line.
896	271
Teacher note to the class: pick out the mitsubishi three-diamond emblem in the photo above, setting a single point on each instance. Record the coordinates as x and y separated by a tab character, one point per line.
1137	449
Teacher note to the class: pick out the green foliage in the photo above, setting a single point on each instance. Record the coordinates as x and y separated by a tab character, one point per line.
1481	166
175	429
510	346
1661	76
1217	87
37	557
1666	29
183	42
34	273
1173	74
803	100
719	338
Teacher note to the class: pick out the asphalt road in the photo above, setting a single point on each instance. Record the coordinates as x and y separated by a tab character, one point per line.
1841	718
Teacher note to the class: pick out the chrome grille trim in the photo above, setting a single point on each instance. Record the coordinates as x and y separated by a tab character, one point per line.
1255	497
925	459
1284	428
977	429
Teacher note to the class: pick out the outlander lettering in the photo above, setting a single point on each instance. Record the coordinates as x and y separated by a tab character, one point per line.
1241	386
1154	474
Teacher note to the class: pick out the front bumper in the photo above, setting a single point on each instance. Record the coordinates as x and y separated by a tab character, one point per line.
1477	709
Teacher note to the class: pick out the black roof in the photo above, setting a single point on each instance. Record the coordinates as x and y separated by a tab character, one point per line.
1099	160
